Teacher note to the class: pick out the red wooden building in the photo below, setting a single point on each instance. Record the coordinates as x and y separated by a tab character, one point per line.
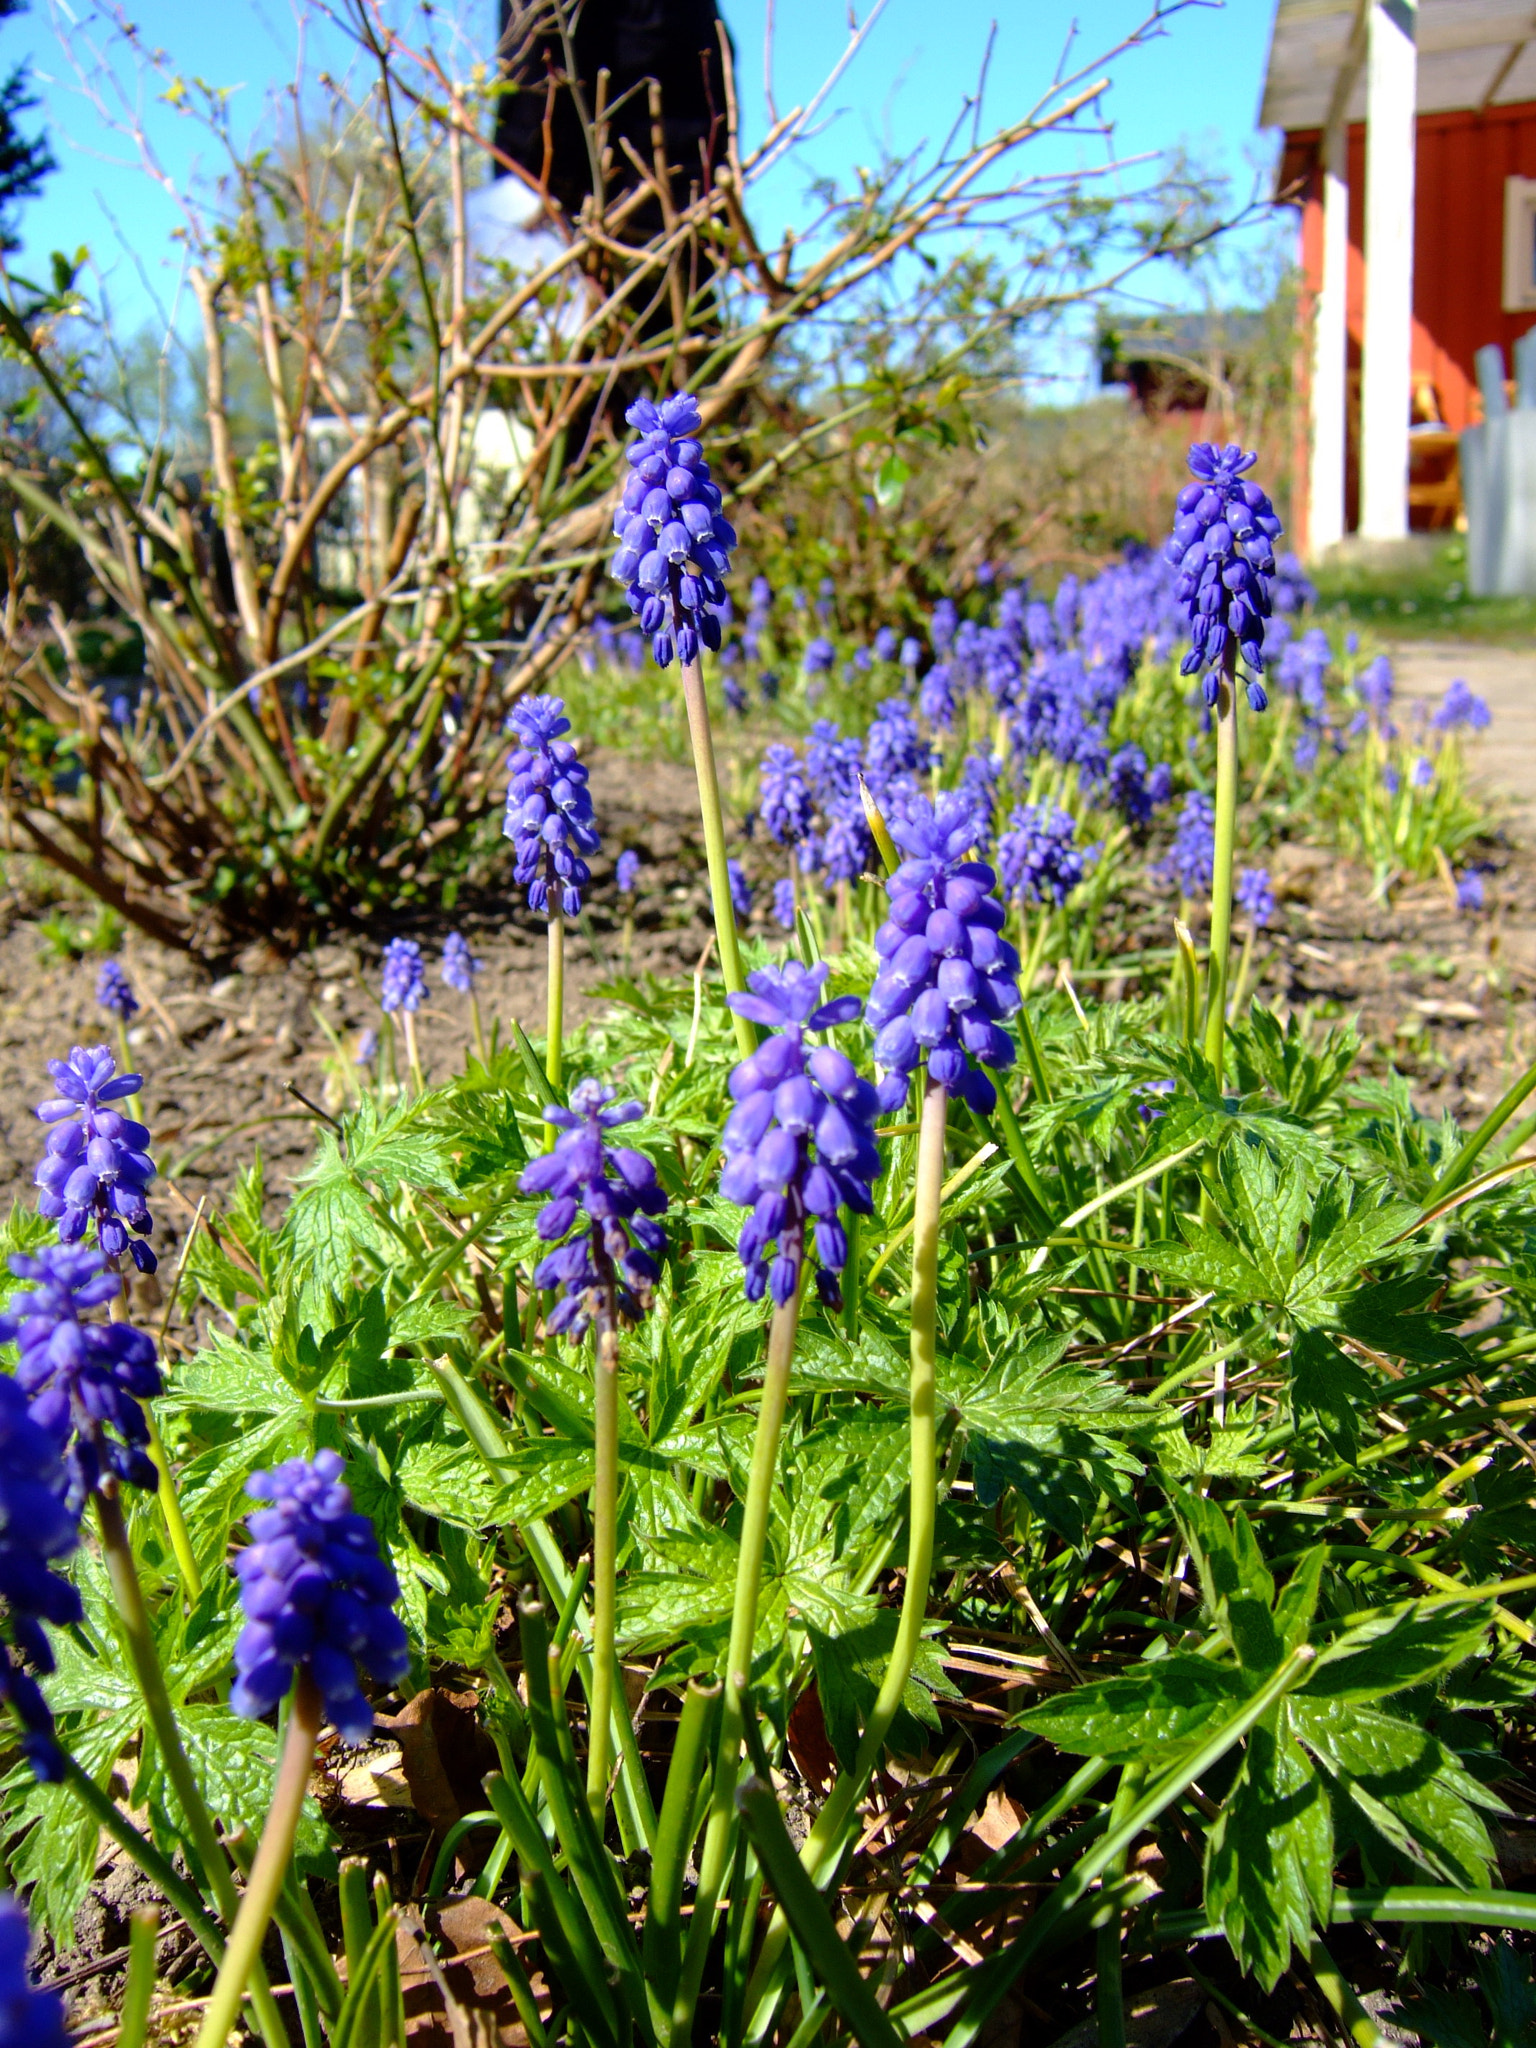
1410	132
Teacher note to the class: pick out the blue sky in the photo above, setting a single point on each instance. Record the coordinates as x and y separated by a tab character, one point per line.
905	85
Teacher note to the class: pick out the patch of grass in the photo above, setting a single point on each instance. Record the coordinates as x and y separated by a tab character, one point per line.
1426	599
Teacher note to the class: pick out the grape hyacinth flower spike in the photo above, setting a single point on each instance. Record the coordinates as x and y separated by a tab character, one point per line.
37	1530
460	971
96	1166
549	821
1223	546
317	1595
82	1379
459	965
113	991
675	542
626	873
116	997
617	1248
401	993
404	982
800	1142
609	1196
31	2016
948	979
319	1602
674	554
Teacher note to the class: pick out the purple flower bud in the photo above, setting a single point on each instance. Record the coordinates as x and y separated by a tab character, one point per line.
317	1595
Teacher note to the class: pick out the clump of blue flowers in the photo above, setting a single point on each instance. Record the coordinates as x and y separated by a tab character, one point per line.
1255	895
317	1596
82	1378
616	1250
549	807
37	1529
800	1142
116	997
948	979
404	982
1038	856
459	965
96	1166
1223	546
674	539
1461	706
29	2017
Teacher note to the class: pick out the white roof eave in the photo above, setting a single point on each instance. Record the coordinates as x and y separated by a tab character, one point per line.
1465	53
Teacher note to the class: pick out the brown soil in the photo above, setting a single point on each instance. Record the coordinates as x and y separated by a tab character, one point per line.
219	1053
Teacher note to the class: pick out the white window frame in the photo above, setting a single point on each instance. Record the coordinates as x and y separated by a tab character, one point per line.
1520	245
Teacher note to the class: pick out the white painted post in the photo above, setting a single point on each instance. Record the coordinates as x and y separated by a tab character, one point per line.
1330	357
1387	390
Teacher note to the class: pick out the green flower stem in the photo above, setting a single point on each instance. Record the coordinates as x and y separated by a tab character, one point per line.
143	1930
662	1934
170	1507
1221	875
478	1027
129	1598
825	1844
713	818
242	1957
636	1815
1109	1993
833	1964
412	1055
1359	2028
605	1519
554	1029
738	1664
1497	1117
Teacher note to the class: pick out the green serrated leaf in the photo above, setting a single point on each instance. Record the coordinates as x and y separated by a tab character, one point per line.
1390	1652
850	1668
1151	1714
1269	1858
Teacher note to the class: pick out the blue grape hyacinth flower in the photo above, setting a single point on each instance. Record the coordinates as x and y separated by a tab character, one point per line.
741	890
785	803
610	1197
626	872
459	965
37	1529
1191	860
113	992
674	539
1038	857
31	2016
317	1595
549	807
404	982
82	1378
1223	546
96	1165
800	1142
784	903
1255	894
948	979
